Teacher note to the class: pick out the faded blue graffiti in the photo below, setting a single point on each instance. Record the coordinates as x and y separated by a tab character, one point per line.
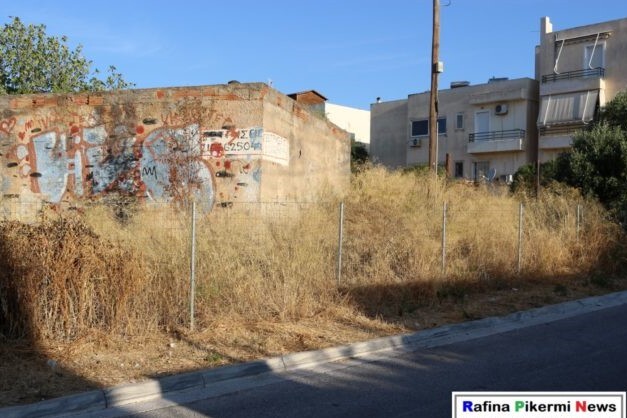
171	166
52	165
166	166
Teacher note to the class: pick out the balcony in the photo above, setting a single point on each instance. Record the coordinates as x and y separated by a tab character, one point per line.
496	141
573	81
558	136
570	130
569	75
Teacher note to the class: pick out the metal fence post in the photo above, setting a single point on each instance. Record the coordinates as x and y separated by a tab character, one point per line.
520	236
192	270
444	239
578	221
339	244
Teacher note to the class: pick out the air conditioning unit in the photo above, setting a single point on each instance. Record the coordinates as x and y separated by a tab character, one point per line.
415	143
500	109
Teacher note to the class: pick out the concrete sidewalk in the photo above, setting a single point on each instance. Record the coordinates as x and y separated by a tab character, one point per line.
197	385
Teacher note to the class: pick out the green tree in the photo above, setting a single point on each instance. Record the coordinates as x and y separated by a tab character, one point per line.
597	162
615	112
33	62
597	165
525	176
359	154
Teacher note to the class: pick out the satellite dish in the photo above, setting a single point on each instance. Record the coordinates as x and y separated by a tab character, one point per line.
491	174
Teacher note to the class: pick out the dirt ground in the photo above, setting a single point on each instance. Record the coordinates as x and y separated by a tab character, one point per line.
29	374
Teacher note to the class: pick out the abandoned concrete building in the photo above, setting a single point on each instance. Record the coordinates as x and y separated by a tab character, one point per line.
218	144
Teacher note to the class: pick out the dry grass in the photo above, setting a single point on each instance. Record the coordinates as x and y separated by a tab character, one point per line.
107	296
58	279
394	243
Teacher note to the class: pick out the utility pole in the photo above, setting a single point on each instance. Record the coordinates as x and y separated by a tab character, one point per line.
436	68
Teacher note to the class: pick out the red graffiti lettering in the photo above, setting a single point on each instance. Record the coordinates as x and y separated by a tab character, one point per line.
7	125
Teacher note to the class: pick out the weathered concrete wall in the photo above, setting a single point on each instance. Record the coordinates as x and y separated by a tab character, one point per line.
389	133
224	143
319	152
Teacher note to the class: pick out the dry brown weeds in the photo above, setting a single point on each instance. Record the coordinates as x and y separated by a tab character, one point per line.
95	299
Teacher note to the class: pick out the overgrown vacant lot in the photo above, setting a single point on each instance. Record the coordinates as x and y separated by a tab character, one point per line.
101	296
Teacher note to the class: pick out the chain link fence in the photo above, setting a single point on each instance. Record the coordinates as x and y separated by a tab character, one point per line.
279	251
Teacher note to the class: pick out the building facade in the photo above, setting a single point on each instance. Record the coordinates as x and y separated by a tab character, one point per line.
485	131
490	130
353	120
579	70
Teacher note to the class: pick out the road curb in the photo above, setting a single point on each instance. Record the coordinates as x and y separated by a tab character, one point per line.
100	400
81	403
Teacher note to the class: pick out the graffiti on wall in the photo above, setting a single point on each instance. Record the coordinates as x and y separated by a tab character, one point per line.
161	163
251	143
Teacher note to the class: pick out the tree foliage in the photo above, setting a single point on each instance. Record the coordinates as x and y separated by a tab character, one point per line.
597	162
597	165
615	112
525	176
33	62
359	155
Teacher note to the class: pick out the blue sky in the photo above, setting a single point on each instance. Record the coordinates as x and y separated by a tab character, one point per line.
350	51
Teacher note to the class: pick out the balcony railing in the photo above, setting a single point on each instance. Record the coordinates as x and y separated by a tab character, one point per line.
496	135
557	130
594	72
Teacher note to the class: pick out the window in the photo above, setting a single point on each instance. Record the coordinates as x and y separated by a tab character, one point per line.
459	169
459	121
421	127
441	125
593	56
482	121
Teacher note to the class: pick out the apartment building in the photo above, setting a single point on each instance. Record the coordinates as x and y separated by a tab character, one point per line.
579	70
490	130
484	131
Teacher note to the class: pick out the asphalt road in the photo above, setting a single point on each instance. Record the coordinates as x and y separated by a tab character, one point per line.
582	353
